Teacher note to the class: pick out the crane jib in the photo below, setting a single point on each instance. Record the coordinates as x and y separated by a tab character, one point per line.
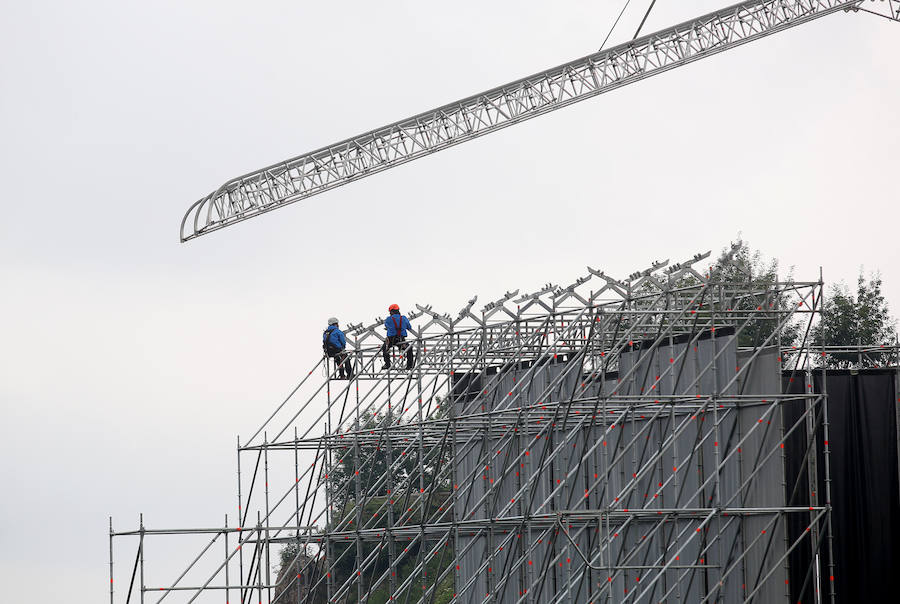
377	150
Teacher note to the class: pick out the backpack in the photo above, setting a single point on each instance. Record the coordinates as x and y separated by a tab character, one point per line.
328	346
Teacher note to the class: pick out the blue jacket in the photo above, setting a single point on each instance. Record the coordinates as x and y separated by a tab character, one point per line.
395	323
335	336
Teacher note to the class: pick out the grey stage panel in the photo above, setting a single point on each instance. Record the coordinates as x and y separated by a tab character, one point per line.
681	460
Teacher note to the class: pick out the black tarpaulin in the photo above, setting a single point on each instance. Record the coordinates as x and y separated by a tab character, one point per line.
865	489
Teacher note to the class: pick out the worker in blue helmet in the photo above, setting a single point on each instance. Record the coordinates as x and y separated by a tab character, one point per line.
334	344
396	325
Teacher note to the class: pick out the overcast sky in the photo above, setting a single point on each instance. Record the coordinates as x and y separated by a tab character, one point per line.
130	362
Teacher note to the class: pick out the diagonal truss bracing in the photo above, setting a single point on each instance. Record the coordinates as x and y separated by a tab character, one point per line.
611	440
340	163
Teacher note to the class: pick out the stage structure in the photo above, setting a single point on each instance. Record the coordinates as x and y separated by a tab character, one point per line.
610	440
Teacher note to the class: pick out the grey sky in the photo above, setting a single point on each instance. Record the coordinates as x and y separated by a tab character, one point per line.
130	362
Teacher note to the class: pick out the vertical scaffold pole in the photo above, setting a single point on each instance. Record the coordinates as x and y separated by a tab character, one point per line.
259	552
141	554
487	429
240	520
297	480
421	453
454	467
227	578
110	561
329	500
786	565
717	438
827	450
268	514
897	395
360	500
389	461
298	557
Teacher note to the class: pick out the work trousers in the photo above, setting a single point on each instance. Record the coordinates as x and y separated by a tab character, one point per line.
343	363
400	342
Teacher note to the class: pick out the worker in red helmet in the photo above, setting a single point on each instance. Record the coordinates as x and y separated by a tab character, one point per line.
396	325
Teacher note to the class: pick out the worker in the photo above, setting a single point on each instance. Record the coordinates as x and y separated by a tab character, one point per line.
397	326
334	343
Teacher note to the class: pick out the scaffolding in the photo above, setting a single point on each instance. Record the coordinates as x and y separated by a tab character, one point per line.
612	440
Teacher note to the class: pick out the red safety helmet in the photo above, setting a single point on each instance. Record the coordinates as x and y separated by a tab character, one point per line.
393	307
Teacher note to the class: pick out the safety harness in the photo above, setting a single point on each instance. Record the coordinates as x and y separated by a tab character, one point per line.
328	346
397	327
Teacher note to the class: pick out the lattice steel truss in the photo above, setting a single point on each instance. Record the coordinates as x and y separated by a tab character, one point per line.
345	161
613	440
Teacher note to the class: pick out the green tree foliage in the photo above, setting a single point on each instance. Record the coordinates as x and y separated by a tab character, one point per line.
742	264
359	466
289	552
370	459
295	559
853	320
